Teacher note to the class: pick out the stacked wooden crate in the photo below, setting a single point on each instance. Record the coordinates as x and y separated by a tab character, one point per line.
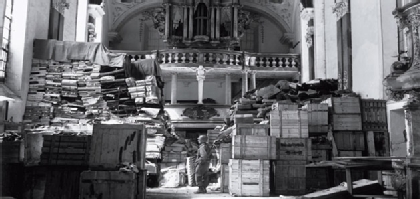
374	116
225	154
65	150
317	118
279	114
249	166
112	147
174	157
11	151
346	114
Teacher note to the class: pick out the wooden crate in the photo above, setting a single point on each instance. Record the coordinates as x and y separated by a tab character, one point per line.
289	177
319	155
289	124
112	185
317	118
374	116
347	122
249	178
350	141
318	178
225	153
11	151
117	143
252	147
244	119
251	129
283	107
171	156
65	150
344	105
224	178
378	143
294	149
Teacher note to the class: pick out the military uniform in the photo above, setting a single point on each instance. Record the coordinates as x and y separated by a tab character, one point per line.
202	167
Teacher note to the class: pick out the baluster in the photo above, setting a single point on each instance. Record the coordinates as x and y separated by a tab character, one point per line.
217	58
169	57
225	59
237	60
211	58
267	62
183	58
261	62
231	58
176	58
294	64
191	58
280	62
287	62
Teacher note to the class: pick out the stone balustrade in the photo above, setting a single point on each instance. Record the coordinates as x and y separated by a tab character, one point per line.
218	57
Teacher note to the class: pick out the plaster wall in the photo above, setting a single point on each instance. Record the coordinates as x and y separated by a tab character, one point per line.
132	38
374	41
23	31
70	21
331	56
269	38
189	90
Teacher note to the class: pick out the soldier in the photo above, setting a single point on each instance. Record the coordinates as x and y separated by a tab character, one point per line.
202	164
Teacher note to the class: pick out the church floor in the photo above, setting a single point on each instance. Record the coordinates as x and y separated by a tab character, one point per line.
187	192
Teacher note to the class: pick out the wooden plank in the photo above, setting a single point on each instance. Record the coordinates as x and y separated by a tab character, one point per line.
117	143
253	147
370	139
224	178
249	177
251	129
225	152
347	122
289	177
346	105
174	156
350	140
294	149
110	185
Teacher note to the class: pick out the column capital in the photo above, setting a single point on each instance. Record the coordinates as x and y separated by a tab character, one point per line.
307	14
340	9
252	72
201	73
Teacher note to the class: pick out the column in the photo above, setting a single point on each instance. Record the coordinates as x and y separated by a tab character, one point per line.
200	78
218	22
212	24
253	79
82	20
412	125
174	84
168	20
190	27
319	34
235	20
307	55
228	89
185	34
244	82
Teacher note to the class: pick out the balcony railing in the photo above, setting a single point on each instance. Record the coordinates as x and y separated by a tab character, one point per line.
218	57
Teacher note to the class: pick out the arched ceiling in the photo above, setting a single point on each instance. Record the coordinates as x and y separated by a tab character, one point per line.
280	14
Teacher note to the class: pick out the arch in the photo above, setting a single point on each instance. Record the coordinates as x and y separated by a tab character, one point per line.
137	9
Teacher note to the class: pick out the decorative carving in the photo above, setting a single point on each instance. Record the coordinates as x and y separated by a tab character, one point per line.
309	36
245	19
307	14
287	39
157	15
201	73
340	9
60	6
200	112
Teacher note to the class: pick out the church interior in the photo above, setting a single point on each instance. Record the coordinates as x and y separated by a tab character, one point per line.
142	99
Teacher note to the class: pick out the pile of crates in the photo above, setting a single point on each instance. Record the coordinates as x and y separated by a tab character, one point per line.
112	147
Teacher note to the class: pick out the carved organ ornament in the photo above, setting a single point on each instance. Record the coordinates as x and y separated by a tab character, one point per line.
401	82
201	23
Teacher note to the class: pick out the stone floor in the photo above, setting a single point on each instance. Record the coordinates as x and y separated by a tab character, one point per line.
187	192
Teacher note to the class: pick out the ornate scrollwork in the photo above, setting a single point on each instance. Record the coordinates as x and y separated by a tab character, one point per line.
200	112
340	9
309	36
245	18
157	15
